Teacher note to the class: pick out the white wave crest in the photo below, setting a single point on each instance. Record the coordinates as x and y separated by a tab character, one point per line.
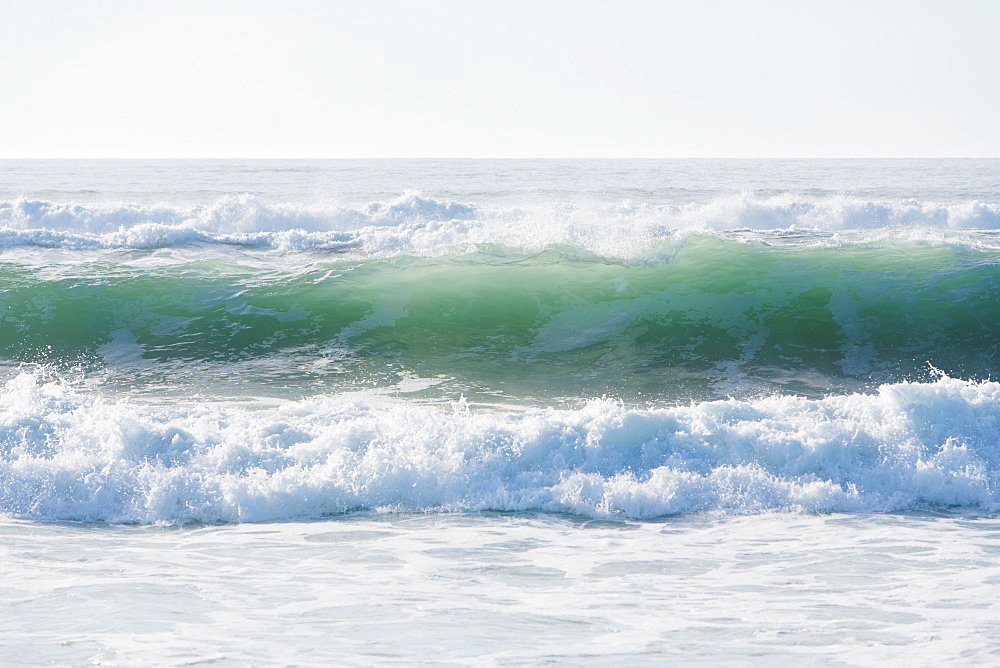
415	224
69	456
232	214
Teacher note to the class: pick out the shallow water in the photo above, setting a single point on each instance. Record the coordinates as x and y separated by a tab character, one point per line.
507	589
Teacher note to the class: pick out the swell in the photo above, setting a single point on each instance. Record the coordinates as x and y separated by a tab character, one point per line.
717	318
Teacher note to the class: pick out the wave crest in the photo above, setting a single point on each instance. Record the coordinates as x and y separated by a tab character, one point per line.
416	224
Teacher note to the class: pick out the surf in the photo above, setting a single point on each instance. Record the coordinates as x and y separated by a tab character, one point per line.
68	455
708	317
412	223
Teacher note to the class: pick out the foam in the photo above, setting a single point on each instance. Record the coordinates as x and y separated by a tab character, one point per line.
413	223
67	455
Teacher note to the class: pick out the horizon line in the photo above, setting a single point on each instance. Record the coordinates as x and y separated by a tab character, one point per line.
474	157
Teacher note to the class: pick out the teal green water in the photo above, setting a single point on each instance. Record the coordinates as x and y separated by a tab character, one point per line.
711	317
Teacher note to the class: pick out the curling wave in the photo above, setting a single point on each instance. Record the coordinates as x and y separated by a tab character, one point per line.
717	317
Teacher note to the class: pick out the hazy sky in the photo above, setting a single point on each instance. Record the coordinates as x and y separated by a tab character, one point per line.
499	79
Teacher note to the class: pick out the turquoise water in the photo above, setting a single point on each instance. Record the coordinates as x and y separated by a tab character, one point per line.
702	318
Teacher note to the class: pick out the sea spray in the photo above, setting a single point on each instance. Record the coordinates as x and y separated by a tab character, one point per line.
66	455
413	223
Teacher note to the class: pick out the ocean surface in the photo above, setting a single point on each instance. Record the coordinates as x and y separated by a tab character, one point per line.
500	412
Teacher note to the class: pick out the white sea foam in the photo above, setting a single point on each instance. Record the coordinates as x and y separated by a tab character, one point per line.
67	455
413	223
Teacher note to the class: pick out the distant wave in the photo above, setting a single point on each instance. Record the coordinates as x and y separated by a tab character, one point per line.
416	224
232	214
69	456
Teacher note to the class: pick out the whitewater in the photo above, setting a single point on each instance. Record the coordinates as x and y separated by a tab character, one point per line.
474	411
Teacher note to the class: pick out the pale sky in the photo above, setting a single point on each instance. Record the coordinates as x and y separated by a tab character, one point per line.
305	79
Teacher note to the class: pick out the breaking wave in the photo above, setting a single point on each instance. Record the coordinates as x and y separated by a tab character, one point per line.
68	456
415	224
719	317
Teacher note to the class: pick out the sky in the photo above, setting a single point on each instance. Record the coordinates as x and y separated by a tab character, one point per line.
381	78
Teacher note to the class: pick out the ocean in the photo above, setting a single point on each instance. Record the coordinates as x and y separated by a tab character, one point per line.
502	412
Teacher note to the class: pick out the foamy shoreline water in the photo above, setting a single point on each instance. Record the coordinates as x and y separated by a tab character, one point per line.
520	588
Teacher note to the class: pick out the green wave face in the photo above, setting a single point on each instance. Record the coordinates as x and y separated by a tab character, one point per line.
721	317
